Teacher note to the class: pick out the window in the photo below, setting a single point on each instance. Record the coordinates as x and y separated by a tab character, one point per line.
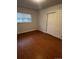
23	17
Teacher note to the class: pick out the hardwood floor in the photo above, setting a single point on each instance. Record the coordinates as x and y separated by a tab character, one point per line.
38	45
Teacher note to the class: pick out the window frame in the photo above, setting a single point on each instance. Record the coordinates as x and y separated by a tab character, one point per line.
26	13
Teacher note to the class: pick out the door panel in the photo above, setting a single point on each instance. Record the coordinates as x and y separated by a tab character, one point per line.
54	24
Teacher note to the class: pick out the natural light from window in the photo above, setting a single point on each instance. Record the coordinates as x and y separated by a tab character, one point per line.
23	17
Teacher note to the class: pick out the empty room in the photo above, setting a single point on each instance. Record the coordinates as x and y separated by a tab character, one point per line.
39	29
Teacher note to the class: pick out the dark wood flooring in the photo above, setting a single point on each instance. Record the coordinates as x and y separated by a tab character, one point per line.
38	45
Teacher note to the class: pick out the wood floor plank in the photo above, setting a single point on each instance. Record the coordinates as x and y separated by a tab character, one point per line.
38	45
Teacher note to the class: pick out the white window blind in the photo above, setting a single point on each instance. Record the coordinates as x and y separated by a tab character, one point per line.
23	17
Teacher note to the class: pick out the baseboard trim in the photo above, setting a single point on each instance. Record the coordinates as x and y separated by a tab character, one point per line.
49	34
26	32
36	30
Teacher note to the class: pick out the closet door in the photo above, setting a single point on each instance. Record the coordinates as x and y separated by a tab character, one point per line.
54	24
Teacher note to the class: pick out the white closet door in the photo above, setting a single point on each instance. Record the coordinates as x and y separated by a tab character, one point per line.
54	24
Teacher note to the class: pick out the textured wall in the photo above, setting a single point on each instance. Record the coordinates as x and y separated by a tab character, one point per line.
43	18
25	27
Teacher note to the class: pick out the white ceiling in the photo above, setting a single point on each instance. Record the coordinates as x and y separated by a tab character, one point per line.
35	5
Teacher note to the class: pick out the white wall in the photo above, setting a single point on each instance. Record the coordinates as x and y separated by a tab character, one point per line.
25	27
39	20
43	18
